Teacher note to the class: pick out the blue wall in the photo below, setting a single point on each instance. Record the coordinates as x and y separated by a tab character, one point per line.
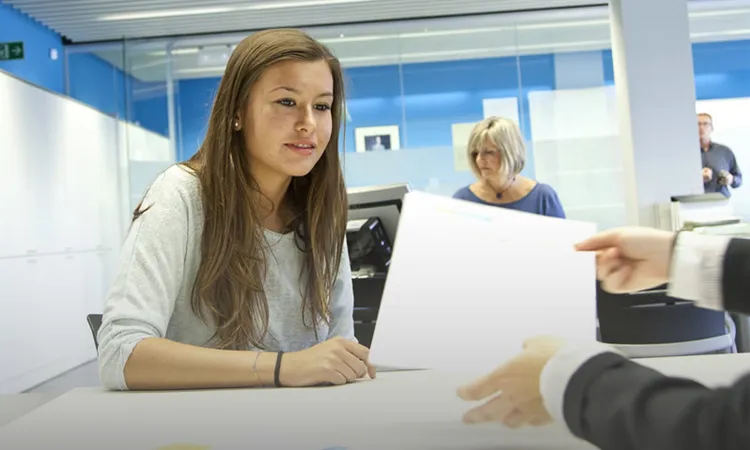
436	95
98	83
92	80
722	69
37	67
194	100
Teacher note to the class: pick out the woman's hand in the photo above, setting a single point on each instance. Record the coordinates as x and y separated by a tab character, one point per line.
336	361
631	259
519	401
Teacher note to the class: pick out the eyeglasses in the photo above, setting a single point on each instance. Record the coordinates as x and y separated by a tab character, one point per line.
485	154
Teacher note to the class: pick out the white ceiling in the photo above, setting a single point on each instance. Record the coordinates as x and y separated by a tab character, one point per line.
360	44
491	35
99	20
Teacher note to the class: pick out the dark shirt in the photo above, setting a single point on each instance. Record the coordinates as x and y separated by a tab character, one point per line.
717	158
542	200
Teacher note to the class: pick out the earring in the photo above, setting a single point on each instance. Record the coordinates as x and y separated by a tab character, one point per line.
236	124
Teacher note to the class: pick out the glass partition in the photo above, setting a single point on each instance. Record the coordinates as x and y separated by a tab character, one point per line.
721	58
129	81
149	128
415	88
570	116
415	98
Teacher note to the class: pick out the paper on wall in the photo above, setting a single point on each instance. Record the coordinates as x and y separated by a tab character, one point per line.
460	133
503	107
468	284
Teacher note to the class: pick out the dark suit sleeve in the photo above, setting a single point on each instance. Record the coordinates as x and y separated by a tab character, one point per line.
617	404
735	277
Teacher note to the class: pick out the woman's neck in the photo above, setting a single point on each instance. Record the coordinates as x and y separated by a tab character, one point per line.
270	199
507	192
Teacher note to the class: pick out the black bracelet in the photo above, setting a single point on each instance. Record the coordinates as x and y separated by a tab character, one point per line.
276	371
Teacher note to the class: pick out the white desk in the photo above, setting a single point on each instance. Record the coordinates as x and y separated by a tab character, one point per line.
14	406
398	410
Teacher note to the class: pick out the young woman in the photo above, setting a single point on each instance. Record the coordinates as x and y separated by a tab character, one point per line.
497	155
239	254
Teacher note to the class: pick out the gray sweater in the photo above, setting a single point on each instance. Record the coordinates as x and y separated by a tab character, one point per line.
150	296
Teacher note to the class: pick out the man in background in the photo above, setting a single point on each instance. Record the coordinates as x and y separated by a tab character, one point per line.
720	168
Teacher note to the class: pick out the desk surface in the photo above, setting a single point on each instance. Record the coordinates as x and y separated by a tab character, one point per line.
16	405
398	410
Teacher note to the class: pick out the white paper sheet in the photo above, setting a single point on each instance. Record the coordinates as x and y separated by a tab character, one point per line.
461	133
504	107
468	284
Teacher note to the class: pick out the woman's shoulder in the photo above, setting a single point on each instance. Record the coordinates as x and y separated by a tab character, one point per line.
177	179
464	193
176	188
545	190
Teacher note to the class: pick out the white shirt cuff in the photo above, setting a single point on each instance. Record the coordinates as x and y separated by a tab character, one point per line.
560	369
696	271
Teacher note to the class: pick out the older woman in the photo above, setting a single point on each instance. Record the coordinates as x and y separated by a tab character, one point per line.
497	154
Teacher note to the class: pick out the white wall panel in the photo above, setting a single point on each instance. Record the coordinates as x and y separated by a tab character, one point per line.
21	187
573	113
64	209
148	155
577	151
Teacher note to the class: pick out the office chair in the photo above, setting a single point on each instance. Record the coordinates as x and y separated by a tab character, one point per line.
650	324
94	321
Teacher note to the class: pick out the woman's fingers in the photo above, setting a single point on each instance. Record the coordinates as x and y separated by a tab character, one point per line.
343	368
357	365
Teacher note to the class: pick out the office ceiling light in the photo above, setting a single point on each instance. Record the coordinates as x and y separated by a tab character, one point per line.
194	70
165	13
558	46
570	24
719	13
461	31
478	51
221	9
721	33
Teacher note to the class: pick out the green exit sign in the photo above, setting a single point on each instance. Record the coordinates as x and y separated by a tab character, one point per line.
11	50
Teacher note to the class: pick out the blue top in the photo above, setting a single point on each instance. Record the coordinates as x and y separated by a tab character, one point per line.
717	158
542	199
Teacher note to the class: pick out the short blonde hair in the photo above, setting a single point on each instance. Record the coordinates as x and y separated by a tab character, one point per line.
506	135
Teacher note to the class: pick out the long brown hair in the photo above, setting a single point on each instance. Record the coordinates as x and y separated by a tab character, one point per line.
228	289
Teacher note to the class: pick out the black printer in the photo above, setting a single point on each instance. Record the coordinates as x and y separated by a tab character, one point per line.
370	249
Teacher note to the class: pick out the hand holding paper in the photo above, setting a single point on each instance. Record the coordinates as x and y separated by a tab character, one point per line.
632	258
628	259
468	284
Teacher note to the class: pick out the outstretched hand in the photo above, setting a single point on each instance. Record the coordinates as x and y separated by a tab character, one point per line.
514	388
631	259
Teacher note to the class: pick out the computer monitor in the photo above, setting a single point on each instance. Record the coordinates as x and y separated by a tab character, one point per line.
383	202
